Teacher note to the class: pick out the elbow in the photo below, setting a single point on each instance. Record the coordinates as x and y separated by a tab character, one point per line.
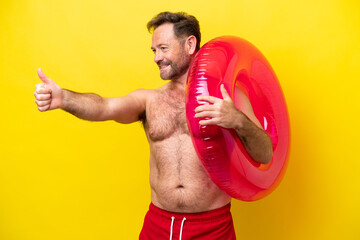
269	151
267	154
268	157
265	158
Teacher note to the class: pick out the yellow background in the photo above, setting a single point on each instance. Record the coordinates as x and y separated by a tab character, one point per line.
64	178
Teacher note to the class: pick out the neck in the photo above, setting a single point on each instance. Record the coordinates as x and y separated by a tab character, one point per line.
181	80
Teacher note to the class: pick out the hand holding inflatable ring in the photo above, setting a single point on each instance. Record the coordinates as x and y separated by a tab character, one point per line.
238	65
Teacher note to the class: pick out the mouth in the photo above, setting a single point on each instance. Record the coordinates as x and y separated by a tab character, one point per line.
163	67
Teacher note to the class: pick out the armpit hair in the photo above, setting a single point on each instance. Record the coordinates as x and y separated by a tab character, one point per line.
142	118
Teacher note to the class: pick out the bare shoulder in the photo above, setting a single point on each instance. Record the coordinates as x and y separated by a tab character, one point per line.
129	108
142	94
152	96
148	94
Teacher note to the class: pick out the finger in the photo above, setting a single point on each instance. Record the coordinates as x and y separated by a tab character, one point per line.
210	99
42	103
212	121
39	85
43	90
211	114
44	108
224	93
43	77
206	107
42	97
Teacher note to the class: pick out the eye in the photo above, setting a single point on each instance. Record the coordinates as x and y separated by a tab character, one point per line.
153	50
163	48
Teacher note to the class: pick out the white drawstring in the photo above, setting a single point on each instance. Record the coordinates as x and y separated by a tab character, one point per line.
171	229
181	229
172	226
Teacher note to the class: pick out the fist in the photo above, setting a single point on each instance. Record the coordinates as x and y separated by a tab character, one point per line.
48	95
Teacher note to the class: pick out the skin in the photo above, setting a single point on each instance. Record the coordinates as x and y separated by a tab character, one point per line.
178	180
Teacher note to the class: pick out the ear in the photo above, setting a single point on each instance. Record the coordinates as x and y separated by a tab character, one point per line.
190	44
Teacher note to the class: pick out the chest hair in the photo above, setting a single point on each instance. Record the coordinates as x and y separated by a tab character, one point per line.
166	115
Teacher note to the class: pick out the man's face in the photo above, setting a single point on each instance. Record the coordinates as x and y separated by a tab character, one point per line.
170	53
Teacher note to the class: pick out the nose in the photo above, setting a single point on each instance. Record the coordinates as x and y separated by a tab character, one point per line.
158	56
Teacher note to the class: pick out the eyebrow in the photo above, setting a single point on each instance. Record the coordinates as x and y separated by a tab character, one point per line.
159	45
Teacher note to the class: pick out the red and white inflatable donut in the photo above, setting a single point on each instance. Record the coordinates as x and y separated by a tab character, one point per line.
238	65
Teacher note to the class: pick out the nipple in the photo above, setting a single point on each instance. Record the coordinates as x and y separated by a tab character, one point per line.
151	132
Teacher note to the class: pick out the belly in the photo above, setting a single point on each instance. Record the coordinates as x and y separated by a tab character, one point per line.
178	179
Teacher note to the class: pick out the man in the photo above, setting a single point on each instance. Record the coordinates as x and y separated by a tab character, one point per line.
185	203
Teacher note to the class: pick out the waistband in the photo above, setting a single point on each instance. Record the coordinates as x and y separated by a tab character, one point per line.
208	216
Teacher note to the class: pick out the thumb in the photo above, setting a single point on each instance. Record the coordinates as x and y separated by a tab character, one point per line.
224	93
43	77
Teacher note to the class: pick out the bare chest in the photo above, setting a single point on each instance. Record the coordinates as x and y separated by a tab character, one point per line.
165	116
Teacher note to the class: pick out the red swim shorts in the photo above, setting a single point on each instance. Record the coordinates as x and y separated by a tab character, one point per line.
212	225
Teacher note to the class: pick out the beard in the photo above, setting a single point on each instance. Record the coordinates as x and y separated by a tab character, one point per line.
175	69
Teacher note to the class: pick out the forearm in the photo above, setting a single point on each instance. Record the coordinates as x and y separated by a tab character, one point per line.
223	113
255	140
87	106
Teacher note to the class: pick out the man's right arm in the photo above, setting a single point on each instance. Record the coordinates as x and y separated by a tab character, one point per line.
89	106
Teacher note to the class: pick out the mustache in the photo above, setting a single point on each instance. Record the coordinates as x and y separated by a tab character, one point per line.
162	63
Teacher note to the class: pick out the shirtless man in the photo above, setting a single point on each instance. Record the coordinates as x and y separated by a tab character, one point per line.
186	204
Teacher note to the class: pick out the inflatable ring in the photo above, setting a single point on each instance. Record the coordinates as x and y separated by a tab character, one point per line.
238	65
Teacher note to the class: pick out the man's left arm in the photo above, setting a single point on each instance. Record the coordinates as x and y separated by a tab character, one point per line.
224	113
